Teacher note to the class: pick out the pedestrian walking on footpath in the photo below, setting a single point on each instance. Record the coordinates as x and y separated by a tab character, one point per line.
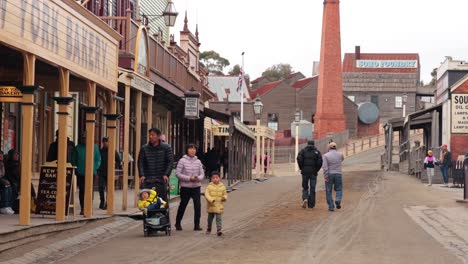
309	160
266	163
429	164
445	163
190	173
333	176
79	160
215	195
102	172
155	162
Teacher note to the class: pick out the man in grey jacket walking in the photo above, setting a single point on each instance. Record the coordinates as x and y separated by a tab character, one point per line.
333	175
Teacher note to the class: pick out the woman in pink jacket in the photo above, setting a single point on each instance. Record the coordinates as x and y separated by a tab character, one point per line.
190	173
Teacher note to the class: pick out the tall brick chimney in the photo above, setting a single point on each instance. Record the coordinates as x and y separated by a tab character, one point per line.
357	52
329	115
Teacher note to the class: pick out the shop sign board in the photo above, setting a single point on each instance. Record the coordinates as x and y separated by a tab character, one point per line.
387	64
191	108
63	33
10	94
142	84
47	191
220	131
459	114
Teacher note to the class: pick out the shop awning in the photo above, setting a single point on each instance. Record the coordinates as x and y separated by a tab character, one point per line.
418	118
223	117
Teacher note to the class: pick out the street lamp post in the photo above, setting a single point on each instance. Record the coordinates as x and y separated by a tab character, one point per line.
169	14
297	119
258	109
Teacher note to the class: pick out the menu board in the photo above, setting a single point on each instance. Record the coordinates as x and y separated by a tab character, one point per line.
45	203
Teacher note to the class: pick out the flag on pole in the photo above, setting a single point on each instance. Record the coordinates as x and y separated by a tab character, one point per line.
239	82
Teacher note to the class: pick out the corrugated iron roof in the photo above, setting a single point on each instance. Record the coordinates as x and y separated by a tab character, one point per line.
224	85
303	82
264	89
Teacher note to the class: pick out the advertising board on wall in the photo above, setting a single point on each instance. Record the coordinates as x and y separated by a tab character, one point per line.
459	114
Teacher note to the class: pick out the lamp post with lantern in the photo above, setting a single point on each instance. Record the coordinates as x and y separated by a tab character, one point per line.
258	109
297	119
170	14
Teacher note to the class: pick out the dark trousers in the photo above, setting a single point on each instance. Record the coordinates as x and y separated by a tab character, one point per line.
308	192
219	221
102	187
80	181
185	195
6	197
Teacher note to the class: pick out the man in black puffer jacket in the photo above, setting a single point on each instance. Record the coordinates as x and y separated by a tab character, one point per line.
309	160
155	163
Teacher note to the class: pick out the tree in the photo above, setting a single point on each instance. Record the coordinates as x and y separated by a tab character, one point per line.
214	62
277	72
235	70
434	77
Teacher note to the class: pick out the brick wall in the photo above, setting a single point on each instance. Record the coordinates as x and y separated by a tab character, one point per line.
365	130
458	145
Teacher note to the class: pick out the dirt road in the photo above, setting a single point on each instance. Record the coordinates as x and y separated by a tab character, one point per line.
264	223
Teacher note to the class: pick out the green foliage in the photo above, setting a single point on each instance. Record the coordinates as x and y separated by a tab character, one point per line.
434	77
278	72
235	70
214	62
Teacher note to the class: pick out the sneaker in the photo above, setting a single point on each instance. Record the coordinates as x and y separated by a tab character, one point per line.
331	209
197	228
219	233
10	211
4	210
208	231
178	227
304	203
338	204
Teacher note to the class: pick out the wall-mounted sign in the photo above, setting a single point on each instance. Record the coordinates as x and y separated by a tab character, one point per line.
220	131
387	64
10	94
459	121
62	33
142	84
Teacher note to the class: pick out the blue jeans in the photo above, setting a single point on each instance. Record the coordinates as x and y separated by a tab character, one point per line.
6	197
335	182
308	191
444	171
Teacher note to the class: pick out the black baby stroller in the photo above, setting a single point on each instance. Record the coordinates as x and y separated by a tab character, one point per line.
157	219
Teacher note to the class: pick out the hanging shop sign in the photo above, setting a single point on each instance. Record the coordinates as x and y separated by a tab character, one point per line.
63	33
10	94
192	98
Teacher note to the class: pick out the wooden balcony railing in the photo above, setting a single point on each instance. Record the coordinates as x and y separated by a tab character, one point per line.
162	61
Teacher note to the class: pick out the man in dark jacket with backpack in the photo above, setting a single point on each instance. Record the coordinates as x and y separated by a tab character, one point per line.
309	160
155	163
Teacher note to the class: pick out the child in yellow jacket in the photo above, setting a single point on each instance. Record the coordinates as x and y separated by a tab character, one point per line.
149	200
215	195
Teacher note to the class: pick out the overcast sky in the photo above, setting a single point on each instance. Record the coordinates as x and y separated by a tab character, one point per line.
275	31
